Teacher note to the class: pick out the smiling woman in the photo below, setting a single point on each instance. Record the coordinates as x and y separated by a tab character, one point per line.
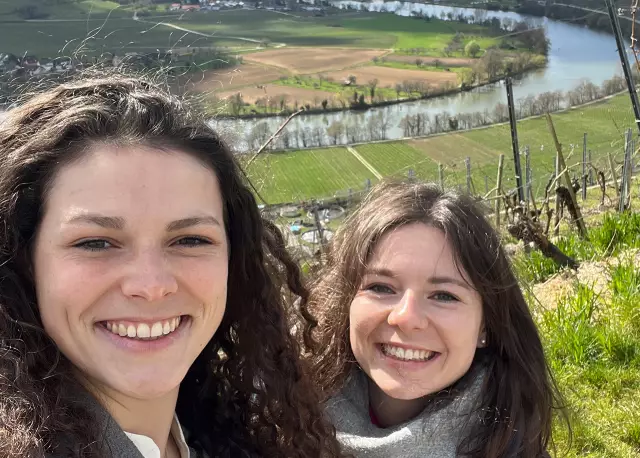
428	347
135	271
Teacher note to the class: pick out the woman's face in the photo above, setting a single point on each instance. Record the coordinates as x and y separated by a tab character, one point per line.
130	264
415	321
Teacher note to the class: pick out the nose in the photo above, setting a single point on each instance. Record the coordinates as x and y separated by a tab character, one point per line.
408	314
149	277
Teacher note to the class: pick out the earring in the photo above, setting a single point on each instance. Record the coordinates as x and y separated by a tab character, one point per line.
483	341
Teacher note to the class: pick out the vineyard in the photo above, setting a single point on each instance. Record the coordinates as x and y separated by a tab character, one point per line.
321	173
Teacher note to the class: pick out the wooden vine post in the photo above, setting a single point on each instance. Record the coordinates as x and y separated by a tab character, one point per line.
582	228
499	190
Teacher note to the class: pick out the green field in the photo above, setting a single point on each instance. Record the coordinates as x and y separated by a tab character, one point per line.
305	174
604	122
409	66
93	36
118	31
364	30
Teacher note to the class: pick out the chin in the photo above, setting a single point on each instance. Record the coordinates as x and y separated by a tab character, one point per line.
145	386
401	391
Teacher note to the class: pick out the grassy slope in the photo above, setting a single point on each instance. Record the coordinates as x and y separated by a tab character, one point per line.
592	340
604	121
369	30
305	174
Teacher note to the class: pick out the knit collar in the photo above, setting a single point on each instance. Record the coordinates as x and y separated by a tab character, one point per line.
436	432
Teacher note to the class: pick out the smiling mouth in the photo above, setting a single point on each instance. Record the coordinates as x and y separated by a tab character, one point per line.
145	331
406	354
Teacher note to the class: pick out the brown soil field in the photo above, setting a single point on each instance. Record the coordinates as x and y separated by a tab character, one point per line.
445	61
391	76
236	77
303	96
313	60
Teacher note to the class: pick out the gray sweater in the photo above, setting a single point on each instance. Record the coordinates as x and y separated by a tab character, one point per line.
113	441
433	434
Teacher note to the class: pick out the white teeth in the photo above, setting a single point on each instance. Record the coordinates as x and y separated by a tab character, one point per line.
143	330
408	354
156	329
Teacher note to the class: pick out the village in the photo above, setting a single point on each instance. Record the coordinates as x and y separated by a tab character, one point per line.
217	5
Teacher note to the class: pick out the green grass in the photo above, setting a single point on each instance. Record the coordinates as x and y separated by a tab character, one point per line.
95	36
612	234
409	66
604	121
592	343
386	157
309	82
71	9
367	30
302	175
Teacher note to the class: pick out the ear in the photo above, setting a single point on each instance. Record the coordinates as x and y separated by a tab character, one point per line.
482	339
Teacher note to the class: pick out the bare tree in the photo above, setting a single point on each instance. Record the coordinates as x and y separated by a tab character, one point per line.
501	113
259	135
335	132
373	84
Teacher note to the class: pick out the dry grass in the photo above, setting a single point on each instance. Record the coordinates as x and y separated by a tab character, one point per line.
314	60
392	76
303	96
236	77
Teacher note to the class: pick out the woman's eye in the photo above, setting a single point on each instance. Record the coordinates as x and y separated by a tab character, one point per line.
192	241
444	297
94	245
379	289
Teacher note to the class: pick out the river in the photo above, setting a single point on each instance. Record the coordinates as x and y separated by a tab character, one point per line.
576	52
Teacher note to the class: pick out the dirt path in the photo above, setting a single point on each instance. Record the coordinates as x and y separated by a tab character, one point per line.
365	163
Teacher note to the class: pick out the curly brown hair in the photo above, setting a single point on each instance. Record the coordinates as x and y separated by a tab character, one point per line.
247	393
519	395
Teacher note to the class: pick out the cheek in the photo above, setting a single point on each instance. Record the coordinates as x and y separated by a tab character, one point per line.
364	320
461	330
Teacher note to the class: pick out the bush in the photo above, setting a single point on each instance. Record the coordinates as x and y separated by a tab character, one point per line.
472	49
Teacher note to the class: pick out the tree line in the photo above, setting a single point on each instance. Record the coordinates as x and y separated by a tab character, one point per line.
377	125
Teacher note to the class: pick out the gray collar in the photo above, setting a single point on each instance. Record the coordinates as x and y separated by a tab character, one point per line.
435	433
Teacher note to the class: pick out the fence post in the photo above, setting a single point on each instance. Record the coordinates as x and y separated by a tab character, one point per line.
527	177
514	139
582	228
591	181
556	222
467	163
441	176
584	167
499	190
614	177
624	178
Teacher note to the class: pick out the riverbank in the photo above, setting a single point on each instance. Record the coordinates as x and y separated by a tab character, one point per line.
362	105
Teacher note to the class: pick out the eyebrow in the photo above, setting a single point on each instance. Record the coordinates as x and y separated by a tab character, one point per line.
384	272
118	223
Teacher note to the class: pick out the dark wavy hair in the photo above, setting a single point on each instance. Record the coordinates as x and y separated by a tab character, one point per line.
519	395
247	394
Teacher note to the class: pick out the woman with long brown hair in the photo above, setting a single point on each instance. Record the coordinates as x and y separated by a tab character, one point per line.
143	301
427	346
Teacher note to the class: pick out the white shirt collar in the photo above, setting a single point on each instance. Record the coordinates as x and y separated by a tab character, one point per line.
149	449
